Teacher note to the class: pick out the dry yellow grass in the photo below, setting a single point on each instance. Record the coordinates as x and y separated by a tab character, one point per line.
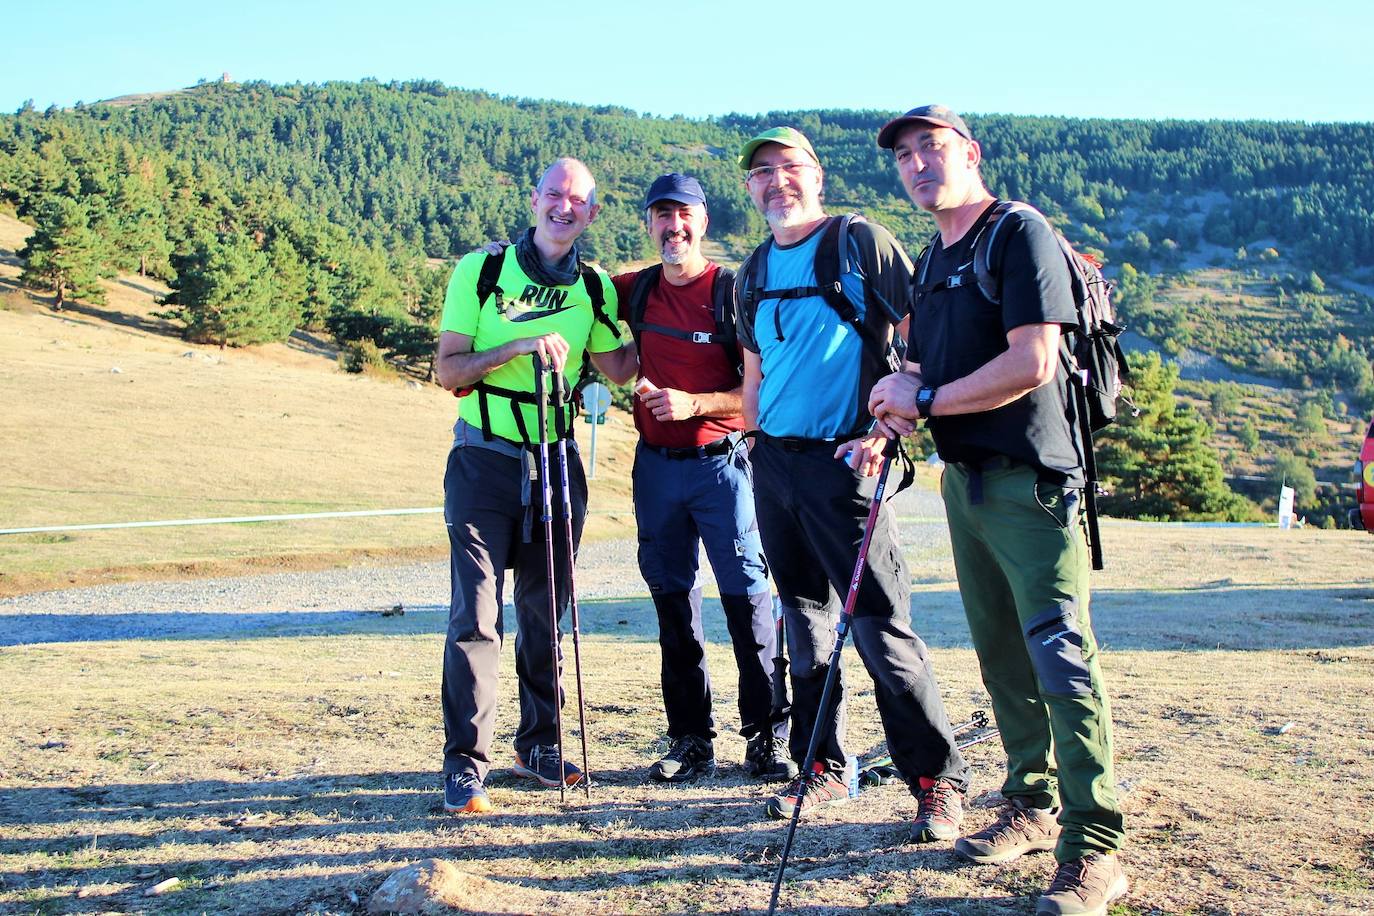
186	431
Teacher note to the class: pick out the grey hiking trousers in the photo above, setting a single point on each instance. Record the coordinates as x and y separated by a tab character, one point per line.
485	518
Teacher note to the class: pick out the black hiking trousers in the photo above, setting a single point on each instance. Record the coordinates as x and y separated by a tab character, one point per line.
812	510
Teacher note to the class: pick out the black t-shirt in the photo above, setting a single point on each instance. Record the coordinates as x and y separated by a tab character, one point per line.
955	331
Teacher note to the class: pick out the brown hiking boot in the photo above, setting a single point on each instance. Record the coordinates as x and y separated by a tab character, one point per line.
1019	829
939	811
1084	887
812	790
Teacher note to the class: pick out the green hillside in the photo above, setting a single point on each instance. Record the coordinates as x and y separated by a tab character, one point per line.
268	208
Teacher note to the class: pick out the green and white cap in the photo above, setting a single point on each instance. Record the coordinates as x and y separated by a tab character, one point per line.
783	136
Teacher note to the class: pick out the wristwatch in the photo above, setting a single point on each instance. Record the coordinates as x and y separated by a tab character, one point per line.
925	399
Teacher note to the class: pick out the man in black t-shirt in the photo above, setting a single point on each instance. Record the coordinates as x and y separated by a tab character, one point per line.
987	379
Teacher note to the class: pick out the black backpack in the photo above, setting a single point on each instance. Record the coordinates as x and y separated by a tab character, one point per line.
722	310
488	283
1091	353
833	261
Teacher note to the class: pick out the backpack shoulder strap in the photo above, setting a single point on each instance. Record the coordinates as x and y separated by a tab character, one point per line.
834	261
986	264
591	280
645	281
489	277
723	310
751	273
918	276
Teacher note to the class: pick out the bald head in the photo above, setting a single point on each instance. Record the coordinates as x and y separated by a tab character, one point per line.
567	165
564	205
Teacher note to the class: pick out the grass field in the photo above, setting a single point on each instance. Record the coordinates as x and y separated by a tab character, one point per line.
109	417
290	768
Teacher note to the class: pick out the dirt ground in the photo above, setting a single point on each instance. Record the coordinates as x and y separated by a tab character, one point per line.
292	771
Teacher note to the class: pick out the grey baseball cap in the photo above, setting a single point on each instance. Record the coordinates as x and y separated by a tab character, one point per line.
938	115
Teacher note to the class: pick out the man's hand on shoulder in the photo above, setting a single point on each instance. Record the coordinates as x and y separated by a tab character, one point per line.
494	247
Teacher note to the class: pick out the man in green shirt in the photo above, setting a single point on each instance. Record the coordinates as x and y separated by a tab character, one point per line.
536	297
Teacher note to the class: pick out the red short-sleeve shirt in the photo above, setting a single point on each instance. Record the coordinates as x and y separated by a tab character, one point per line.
672	363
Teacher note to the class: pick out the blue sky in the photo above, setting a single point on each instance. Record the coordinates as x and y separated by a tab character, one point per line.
1199	59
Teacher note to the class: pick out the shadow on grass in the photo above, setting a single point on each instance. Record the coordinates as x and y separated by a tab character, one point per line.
299	841
1223	618
147	324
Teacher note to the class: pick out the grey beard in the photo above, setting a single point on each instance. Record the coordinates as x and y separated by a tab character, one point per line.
793	215
678	255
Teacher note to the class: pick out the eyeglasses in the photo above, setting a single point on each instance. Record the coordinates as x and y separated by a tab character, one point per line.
790	169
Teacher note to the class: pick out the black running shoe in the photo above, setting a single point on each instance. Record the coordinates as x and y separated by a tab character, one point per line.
689	758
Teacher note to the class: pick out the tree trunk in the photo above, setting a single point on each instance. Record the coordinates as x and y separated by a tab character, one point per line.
57	305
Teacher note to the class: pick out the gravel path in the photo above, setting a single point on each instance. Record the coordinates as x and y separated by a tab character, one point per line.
309	601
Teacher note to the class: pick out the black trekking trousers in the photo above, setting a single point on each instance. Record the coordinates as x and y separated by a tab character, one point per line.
812	509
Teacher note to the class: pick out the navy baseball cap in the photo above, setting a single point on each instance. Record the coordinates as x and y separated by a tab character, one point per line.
937	115
675	186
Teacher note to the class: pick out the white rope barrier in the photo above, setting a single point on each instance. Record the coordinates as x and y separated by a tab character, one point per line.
231	520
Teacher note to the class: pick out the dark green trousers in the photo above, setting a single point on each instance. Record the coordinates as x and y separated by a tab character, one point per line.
1022	562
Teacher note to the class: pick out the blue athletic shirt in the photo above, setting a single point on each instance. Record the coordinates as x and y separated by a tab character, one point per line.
810	386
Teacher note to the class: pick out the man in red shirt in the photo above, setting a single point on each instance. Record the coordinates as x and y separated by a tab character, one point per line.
692	486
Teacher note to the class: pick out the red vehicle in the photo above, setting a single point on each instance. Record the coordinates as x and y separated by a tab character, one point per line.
1363	515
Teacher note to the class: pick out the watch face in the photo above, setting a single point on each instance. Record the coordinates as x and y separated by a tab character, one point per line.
924	398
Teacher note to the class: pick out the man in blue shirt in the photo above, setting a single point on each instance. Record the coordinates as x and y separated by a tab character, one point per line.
807	375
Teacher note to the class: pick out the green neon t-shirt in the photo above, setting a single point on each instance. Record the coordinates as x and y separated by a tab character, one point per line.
522	308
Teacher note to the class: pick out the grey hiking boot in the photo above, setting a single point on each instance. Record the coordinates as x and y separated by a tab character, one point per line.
1084	886
1019	829
689	758
939	811
766	758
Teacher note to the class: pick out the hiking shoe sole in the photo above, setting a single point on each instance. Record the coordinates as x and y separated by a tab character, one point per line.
932	833
1119	888
777	811
970	853
478	804
686	774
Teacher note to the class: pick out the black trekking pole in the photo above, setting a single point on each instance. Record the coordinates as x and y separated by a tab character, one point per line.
979	719
880	768
559	401
781	707
541	408
833	666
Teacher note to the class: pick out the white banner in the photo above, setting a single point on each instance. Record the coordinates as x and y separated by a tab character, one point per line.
1286	507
